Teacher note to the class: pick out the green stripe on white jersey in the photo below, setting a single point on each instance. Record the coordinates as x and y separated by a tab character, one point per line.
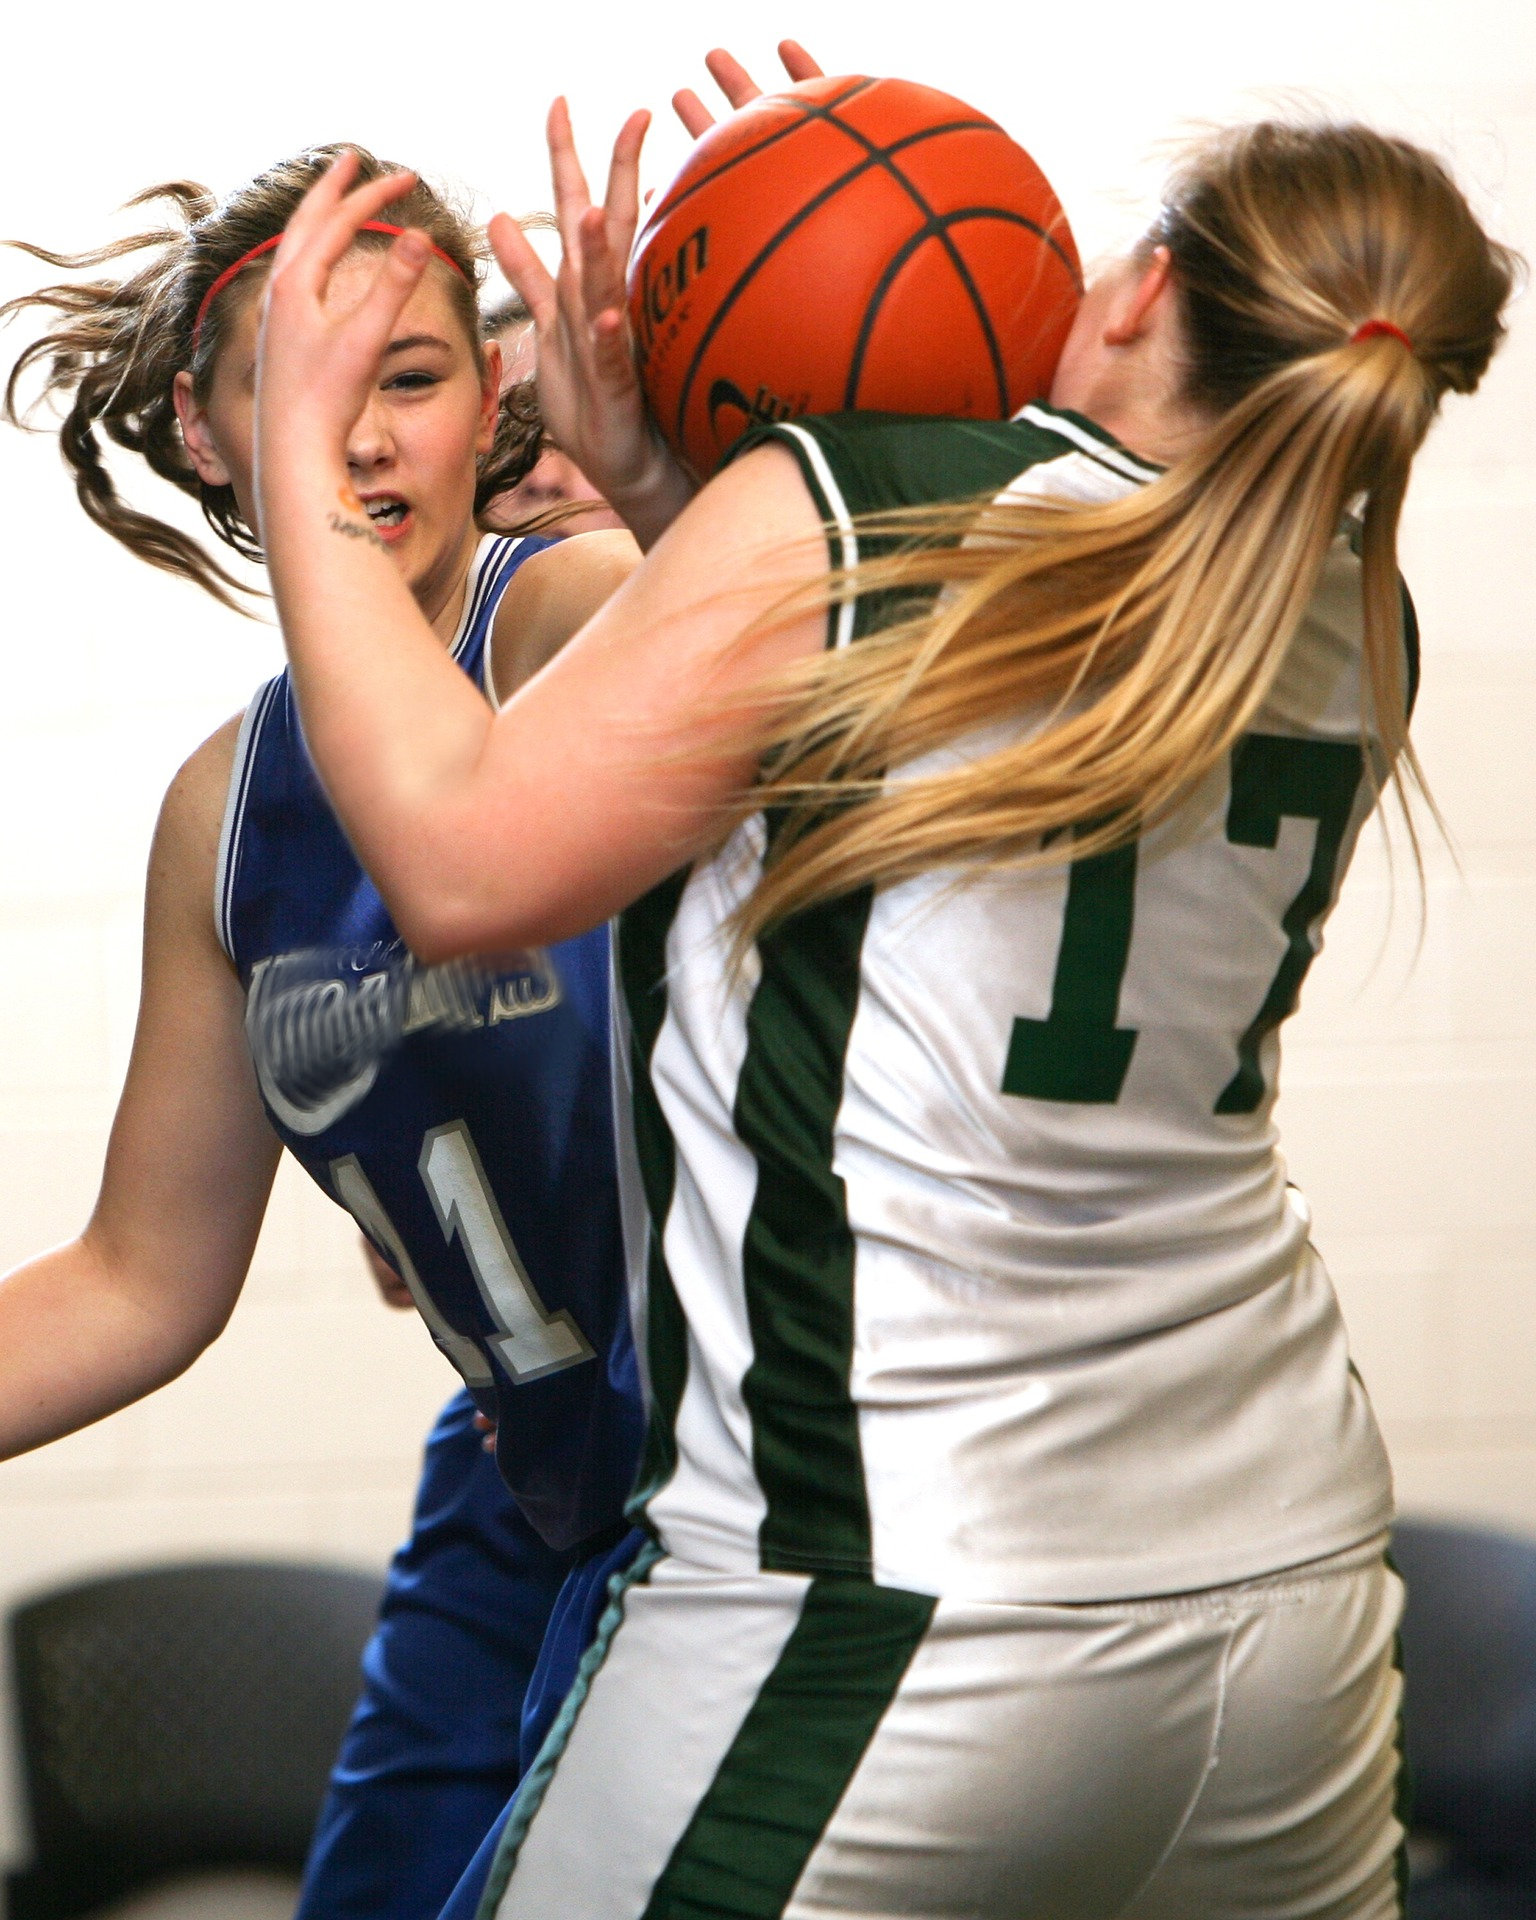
973	1265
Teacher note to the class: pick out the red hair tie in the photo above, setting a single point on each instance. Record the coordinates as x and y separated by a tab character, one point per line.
1369	329
266	246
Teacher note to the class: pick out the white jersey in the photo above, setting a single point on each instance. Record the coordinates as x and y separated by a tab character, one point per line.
972	1266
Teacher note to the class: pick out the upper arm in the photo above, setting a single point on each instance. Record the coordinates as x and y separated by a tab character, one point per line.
615	765
549	597
191	1157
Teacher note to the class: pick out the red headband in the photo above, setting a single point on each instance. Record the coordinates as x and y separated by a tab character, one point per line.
1369	329
266	246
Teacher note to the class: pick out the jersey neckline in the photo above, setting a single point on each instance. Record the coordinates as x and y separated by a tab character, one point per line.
477	584
1096	441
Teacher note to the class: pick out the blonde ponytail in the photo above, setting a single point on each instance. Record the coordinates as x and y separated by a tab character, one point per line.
1142	636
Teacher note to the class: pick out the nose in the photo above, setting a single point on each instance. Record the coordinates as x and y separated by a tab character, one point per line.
370	444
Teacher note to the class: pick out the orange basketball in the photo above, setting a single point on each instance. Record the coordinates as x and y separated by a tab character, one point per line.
849	243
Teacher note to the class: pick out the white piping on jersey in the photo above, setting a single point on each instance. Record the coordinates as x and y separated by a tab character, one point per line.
1070	476
474	596
485	569
1105	454
498	560
251	724
848	540
1116	459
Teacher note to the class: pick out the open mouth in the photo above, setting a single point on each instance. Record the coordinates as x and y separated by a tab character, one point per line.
387	512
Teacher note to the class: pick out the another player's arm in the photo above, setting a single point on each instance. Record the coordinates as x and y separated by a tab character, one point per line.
108	1317
610	769
550	597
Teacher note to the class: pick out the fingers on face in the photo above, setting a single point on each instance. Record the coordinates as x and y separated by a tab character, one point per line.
399	271
327	219
363	203
323	196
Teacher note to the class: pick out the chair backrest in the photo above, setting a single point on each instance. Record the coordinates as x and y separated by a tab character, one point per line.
1469	1664
180	1718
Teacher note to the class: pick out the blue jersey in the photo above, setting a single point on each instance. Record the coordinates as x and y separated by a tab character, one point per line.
461	1113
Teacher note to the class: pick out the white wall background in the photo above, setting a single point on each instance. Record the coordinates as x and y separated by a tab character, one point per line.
1411	1107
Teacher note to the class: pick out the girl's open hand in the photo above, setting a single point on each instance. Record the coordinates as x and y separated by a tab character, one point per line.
318	356
588	391
738	86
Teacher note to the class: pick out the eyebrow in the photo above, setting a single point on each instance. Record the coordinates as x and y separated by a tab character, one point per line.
414	340
408	344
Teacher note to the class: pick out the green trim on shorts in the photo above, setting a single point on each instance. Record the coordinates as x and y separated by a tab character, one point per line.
745	1849
535	1782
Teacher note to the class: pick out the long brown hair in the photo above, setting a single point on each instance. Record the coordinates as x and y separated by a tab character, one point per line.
1144	635
118	344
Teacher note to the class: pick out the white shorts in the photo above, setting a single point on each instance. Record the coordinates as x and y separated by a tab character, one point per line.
764	1745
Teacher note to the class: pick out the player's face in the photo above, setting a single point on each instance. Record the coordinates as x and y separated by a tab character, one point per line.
411	451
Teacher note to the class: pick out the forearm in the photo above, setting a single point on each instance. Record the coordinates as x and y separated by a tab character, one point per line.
396	729
79	1341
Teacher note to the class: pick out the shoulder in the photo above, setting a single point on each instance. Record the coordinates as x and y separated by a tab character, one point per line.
551	595
184	857
194	801
857	463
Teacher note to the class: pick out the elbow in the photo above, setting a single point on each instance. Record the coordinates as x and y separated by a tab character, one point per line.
178	1355
438	908
439	928
174	1340
456	896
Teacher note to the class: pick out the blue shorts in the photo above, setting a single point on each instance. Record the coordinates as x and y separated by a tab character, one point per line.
431	1755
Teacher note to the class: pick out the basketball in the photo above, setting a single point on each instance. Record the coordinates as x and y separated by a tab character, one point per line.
849	243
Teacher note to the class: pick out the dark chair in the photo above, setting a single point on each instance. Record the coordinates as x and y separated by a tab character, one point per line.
179	1719
1469	1664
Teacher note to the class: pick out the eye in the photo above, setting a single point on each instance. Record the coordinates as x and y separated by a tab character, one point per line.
414	379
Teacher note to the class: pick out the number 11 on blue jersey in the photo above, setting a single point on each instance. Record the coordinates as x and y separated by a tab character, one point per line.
528	1340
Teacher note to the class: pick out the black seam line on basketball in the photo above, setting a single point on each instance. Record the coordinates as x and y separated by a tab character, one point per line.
770	247
956	259
888	279
883	154
668	207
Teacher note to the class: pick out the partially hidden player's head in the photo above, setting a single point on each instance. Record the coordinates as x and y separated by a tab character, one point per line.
1303	302
162	361
554	497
